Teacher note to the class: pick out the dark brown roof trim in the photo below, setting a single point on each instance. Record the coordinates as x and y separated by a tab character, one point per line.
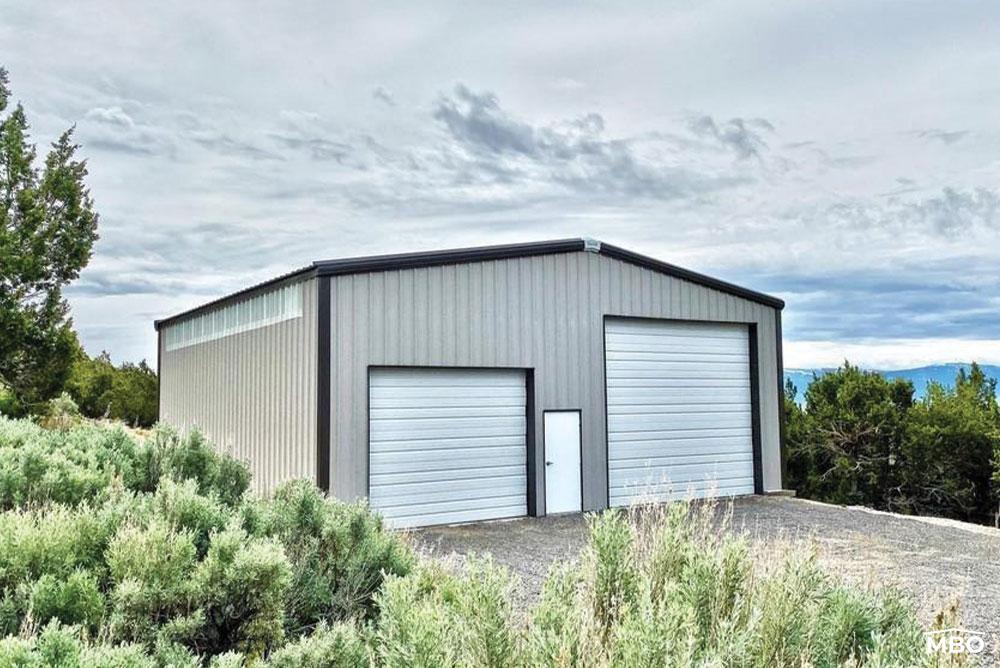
690	276
358	265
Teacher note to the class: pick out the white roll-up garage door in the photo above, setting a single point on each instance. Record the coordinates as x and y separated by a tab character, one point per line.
679	410
447	445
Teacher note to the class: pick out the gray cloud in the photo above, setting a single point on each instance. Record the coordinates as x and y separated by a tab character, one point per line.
745	137
943	136
223	144
949	213
104	284
956	211
318	148
111	116
574	153
384	95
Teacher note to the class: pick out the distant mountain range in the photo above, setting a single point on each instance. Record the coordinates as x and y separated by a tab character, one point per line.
940	373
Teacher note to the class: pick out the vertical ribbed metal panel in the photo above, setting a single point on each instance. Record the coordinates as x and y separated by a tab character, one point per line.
545	313
253	394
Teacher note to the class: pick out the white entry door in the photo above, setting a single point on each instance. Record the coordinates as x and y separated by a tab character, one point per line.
563	493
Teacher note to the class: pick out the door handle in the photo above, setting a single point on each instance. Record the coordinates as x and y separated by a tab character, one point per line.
549	463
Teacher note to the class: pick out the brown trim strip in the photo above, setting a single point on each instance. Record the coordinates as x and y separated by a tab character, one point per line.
323	431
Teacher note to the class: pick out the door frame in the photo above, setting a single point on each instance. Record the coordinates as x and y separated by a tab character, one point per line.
579	413
755	415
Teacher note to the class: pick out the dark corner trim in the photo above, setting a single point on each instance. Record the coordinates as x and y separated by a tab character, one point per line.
533	500
434	258
607	427
690	276
758	473
782	445
159	376
323	384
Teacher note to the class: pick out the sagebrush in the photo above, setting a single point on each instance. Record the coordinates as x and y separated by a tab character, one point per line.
118	552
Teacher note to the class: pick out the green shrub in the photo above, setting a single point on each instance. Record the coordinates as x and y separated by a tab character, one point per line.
75	600
61	647
192	457
120	553
559	633
334	646
184	508
71	466
433	618
339	553
151	582
659	586
242	585
611	557
61	412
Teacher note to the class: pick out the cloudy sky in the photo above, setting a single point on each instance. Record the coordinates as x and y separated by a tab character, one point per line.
845	157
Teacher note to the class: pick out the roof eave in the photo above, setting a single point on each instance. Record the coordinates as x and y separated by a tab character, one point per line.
418	260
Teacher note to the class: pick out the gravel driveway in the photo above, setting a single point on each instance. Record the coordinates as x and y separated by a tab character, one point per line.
936	560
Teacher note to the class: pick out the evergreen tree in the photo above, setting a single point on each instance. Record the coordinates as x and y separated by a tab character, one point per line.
47	230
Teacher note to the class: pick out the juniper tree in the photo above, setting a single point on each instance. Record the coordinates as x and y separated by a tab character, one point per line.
47	230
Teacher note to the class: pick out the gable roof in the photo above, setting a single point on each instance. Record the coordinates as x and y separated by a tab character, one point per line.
372	263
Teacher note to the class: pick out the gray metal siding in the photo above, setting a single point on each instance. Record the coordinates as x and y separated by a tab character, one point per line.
252	393
545	313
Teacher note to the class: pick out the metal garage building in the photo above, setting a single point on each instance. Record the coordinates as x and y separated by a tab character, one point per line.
489	382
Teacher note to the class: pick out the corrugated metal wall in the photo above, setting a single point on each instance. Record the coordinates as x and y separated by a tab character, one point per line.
543	312
252	393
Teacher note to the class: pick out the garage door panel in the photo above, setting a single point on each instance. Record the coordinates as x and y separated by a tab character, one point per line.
407	403
427	379
451	443
427	516
450	460
681	345
638	396
649	448
676	421
484	409
680	434
389	429
692	375
642	332
679	409
624	495
652	407
421	493
416	507
631	383
446	475
433	394
447	445
681	470
730	367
